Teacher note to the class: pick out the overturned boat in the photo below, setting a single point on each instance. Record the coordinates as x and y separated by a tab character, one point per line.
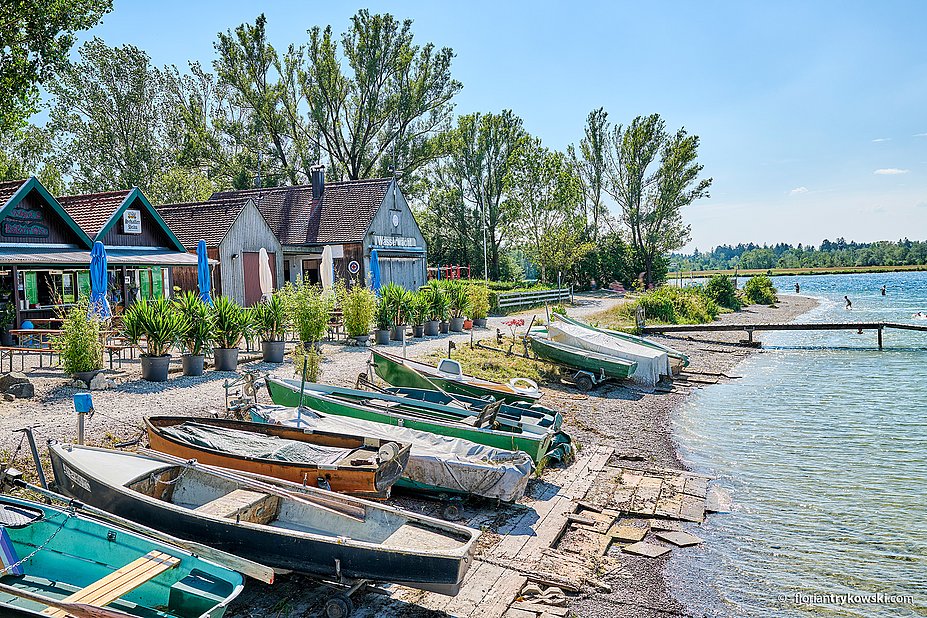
678	360
440	464
277	523
362	466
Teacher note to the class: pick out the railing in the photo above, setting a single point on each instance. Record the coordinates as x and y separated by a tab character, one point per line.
525	299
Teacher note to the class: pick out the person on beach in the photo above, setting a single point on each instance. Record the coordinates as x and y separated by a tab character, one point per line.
883	290
849	303
797	288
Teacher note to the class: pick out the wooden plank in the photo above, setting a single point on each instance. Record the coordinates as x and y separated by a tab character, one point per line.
540	608
627	533
680	539
643	548
693	509
669	504
576	518
243	505
645	499
663	524
696	486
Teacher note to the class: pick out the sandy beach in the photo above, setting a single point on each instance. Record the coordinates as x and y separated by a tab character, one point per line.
636	422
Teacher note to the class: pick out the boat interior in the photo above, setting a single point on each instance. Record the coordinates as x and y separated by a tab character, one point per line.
75	560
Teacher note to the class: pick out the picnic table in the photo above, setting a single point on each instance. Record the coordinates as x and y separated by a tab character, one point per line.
31	341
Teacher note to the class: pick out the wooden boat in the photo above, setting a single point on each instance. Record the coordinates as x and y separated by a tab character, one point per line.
70	559
598	364
484	428
277	523
651	363
678	360
438	464
449	377
362	466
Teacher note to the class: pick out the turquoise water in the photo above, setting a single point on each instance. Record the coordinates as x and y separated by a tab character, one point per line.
821	452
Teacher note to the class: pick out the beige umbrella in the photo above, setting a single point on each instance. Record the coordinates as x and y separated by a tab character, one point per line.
327	269
264	274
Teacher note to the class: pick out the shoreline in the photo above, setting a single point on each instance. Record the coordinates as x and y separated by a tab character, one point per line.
639	425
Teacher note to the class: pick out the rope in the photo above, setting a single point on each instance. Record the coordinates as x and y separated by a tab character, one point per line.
37	549
157	479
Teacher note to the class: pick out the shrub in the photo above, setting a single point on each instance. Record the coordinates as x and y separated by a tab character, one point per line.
308	310
230	323
399	301
478	296
439	307
382	315
673	305
156	321
270	318
419	308
759	290
358	306
198	332
722	290
458	300
79	343
307	363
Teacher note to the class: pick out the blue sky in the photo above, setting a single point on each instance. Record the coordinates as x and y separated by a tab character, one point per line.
811	114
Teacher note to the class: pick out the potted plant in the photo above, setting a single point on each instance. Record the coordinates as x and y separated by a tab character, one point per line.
198	334
229	324
459	303
311	312
419	308
270	320
80	345
382	318
399	301
154	326
443	309
358	306
479	304
430	326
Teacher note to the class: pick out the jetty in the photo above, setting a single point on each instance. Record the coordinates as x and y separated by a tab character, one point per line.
669	329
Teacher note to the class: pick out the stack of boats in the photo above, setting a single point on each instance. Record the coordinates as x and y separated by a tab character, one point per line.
604	353
167	530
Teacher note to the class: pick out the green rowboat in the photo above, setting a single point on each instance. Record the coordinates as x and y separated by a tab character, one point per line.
593	362
678	360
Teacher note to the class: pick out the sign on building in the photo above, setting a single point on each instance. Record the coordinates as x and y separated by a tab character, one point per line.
132	221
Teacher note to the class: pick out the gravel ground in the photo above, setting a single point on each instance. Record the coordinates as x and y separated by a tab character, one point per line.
632	420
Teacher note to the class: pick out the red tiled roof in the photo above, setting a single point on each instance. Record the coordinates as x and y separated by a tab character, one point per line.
92	211
210	220
346	210
9	188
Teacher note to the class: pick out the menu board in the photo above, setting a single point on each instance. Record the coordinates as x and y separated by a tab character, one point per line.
32	287
83	283
157	282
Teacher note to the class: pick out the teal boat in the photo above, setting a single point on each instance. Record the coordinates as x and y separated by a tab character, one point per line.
449	377
678	360
74	562
484	428
601	366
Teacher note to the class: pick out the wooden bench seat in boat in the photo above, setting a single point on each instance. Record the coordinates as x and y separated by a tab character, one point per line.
243	505
118	583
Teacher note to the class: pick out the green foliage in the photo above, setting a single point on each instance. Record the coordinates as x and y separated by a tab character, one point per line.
759	290
230	323
307	362
399	302
358	306
671	305
419	308
35	38
478	300
270	318
490	365
80	343
154	325
438	301
7	314
383	315
198	317
458	299
308	309
721	289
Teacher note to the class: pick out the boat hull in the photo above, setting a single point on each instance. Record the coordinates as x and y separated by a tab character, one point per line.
678	360
581	359
368	481
275	547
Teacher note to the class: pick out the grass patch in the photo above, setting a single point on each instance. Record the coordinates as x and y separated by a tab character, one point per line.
496	366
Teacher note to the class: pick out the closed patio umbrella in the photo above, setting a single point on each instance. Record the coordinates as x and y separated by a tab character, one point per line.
374	271
264	274
327	269
99	304
203	280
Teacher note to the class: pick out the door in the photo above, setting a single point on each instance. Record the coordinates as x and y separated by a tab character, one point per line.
251	269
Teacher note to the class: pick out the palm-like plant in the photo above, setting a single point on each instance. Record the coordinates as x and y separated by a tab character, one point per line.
230	323
458	300
420	306
154	326
199	328
270	319
382	315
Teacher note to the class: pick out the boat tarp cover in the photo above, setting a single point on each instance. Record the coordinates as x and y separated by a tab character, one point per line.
436	461
252	444
651	362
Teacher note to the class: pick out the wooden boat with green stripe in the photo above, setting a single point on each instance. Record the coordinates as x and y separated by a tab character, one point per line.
484	427
593	362
678	360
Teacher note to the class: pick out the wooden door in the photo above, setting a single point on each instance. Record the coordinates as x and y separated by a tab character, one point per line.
251	271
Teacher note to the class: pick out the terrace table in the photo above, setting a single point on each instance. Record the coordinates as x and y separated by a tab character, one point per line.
37	341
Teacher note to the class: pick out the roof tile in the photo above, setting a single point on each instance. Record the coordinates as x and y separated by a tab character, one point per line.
9	188
91	211
209	221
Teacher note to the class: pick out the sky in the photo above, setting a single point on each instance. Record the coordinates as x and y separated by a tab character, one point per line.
811	115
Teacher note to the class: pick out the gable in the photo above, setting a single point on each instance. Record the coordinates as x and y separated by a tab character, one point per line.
31	215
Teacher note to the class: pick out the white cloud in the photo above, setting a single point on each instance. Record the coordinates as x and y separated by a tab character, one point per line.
890	171
881	139
798	190
920	135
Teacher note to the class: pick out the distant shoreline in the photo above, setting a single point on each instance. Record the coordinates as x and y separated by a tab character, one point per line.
779	272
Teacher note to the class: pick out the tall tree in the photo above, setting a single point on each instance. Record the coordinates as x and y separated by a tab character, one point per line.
35	38
28	152
591	169
653	175
109	118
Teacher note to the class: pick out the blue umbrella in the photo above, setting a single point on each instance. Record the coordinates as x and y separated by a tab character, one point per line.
374	271
203	280
98	283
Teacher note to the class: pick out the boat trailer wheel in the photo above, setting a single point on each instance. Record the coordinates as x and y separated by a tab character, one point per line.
450	512
339	606
584	381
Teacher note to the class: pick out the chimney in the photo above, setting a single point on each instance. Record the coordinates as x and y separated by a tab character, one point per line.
318	181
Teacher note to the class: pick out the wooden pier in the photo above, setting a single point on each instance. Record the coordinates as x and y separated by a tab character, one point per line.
668	329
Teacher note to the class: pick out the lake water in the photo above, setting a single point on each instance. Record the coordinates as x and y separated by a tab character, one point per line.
821	449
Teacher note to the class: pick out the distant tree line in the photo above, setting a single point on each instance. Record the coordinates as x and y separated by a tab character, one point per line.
839	253
370	102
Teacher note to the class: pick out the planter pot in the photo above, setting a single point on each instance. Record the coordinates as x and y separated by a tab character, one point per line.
273	351
226	359
432	328
479	322
418	331
86	376
192	364
444	326
6	338
396	332
361	340
382	336
457	325
468	324
154	368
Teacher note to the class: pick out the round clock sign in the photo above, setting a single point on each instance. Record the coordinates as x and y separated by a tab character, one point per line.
395	220
353	267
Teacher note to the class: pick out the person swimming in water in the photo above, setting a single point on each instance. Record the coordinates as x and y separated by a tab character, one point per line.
797	287
849	302
883	290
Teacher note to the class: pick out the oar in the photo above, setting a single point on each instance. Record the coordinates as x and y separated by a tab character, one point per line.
237	563
77	610
302	390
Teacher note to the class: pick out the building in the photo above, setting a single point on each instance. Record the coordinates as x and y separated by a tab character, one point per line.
235	231
352	217
45	245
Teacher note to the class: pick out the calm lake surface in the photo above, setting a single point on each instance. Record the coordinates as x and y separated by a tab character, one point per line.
821	450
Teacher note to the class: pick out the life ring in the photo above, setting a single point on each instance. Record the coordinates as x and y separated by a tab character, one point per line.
531	388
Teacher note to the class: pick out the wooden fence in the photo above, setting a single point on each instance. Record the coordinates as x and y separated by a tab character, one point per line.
533	299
